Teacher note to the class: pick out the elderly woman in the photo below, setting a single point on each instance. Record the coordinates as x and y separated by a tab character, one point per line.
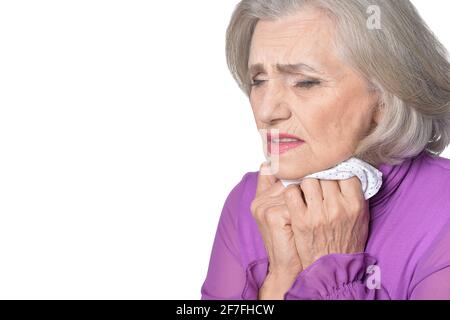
341	84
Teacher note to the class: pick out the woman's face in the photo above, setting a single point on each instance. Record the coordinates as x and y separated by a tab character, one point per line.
324	102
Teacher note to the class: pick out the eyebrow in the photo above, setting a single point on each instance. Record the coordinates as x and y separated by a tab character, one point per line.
283	68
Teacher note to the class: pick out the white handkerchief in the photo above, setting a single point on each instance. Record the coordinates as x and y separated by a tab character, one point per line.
370	177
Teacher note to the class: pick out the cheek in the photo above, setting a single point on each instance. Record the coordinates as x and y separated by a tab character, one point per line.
332	126
325	121
253	104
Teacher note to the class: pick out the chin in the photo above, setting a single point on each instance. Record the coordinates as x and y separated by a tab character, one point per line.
289	170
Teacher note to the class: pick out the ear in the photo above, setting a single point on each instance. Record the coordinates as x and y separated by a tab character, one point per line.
378	113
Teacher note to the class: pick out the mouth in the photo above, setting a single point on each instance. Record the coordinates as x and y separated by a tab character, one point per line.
282	143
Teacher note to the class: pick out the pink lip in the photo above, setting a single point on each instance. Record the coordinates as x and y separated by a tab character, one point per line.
282	147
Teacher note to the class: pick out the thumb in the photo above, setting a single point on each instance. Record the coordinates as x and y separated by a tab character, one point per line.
265	178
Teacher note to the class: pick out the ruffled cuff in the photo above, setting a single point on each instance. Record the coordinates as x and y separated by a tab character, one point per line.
334	276
255	275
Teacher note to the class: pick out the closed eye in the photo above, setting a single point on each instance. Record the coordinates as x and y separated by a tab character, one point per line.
302	84
256	83
307	84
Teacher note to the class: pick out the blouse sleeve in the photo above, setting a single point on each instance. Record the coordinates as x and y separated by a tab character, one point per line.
339	277
348	276
432	276
226	277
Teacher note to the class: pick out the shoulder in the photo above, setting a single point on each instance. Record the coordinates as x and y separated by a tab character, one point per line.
431	199
432	176
437	163
430	183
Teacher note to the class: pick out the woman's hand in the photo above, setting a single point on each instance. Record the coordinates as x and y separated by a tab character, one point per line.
333	217
300	224
273	218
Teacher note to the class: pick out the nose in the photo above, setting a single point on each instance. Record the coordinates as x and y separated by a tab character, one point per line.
272	104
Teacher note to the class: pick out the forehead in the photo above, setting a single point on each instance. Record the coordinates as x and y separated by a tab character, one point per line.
303	36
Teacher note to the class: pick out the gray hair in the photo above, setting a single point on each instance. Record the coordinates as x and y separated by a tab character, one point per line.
403	60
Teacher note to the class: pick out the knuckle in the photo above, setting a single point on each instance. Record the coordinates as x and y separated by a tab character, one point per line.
333	209
290	193
273	216
271	219
355	207
257	210
271	212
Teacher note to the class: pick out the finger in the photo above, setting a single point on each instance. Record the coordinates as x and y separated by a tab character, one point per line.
276	189
277	220
277	216
332	196
265	178
264	228
261	204
313	192
293	197
330	190
294	202
351	187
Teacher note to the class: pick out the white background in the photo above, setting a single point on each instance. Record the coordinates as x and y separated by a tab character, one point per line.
121	134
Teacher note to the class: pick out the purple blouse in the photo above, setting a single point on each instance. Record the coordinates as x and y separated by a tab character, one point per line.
407	255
